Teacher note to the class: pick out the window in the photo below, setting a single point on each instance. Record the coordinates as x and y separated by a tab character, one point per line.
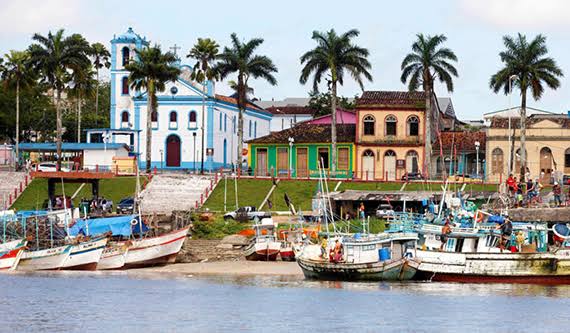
234	124
220	122
125	86
125	119
343	158
282	161
225	122
192	123
323	155
497	161
255	130
173	117
391	122
413	125
126	55
282	124
249	128
154	119
567	158
368	125
412	161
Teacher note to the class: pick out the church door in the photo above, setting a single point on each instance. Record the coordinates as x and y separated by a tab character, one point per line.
173	151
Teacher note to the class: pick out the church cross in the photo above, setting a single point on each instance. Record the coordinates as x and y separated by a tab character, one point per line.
175	48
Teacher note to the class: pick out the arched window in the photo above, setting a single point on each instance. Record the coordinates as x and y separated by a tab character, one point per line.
369	123
220	121
173	117
497	161
225	122
249	128
438	166
567	158
125	86
413	126
391	123
412	161
154	119
126	55
125	119
192	120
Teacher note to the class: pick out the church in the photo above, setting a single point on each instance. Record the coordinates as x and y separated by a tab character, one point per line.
178	121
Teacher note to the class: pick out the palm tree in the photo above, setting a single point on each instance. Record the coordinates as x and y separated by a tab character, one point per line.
334	56
81	85
16	72
429	61
100	56
53	55
151	70
529	63
240	59
205	52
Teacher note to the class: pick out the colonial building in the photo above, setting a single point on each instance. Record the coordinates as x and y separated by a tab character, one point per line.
297	151
177	123
459	153
547	147
390	134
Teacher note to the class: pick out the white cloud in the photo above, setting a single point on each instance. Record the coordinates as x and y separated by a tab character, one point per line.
532	14
29	16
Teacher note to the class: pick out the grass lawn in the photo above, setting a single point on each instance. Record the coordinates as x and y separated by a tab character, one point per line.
35	195
251	192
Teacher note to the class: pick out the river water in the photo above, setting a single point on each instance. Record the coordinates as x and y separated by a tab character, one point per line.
87	302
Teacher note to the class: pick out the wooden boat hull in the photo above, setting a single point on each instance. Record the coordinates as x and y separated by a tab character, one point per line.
156	251
287	254
49	259
113	257
264	251
85	256
390	270
10	254
533	268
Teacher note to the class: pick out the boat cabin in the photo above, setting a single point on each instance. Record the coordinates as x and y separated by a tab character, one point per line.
374	248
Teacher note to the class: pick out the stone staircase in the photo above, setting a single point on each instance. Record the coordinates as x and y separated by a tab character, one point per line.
196	250
169	192
9	180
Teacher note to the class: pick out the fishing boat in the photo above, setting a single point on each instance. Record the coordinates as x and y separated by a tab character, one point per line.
264	246
47	259
85	255
383	257
154	251
472	255
114	256
10	254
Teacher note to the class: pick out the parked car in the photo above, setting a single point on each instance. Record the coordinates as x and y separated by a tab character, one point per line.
126	206
412	176
246	213
48	167
384	211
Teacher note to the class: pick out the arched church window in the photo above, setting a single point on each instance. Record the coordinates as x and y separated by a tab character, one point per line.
126	55
125	86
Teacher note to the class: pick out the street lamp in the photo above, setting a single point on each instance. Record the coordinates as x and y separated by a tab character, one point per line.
291	141
511	78
194	135
477	145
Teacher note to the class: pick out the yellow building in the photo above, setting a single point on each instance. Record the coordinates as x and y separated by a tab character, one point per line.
547	146
390	134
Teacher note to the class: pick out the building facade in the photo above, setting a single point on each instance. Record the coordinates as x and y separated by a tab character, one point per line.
184	108
459	153
285	117
547	147
390	134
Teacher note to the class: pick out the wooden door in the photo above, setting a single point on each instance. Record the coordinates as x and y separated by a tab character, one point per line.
173	151
390	165
302	163
261	169
368	165
282	161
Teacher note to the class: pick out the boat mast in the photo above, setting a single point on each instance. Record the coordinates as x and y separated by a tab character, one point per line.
64	208
137	202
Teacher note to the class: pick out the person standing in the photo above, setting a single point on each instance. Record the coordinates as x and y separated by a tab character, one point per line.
361	212
557	191
506	233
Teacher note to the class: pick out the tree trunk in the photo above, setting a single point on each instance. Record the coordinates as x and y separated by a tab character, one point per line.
59	127
523	135
202	127
428	134
97	98
333	128
241	107
17	125
149	111
79	118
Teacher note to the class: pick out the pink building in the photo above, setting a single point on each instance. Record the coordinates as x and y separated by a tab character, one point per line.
342	117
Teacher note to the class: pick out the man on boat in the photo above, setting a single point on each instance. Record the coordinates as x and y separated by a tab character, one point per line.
445	231
324	244
506	233
337	252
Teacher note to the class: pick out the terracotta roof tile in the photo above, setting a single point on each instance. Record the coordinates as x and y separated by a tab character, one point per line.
463	141
234	101
414	99
503	122
310	133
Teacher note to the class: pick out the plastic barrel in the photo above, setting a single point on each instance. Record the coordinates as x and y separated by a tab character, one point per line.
384	254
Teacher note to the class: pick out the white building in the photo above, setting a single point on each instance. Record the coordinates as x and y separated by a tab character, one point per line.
285	117
513	112
177	123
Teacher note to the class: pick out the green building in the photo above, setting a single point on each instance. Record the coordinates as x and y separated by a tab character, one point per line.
295	152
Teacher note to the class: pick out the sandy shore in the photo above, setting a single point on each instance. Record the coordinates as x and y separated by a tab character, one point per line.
238	268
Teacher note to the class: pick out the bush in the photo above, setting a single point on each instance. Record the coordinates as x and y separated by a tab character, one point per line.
216	229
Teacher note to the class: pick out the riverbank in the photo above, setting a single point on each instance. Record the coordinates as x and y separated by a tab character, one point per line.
234	268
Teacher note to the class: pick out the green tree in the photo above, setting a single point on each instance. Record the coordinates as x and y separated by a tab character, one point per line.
334	56
100	57
53	56
321	103
204	52
528	62
151	70
242	60
16	73
81	85
427	62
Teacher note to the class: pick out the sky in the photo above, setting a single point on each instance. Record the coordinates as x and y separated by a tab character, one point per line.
388	28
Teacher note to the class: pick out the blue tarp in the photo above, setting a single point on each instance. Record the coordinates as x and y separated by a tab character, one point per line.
118	226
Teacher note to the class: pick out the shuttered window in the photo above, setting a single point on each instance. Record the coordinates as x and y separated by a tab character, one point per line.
343	159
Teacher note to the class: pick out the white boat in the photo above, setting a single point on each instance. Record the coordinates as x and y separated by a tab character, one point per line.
264	246
10	254
85	256
48	259
154	251
114	256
